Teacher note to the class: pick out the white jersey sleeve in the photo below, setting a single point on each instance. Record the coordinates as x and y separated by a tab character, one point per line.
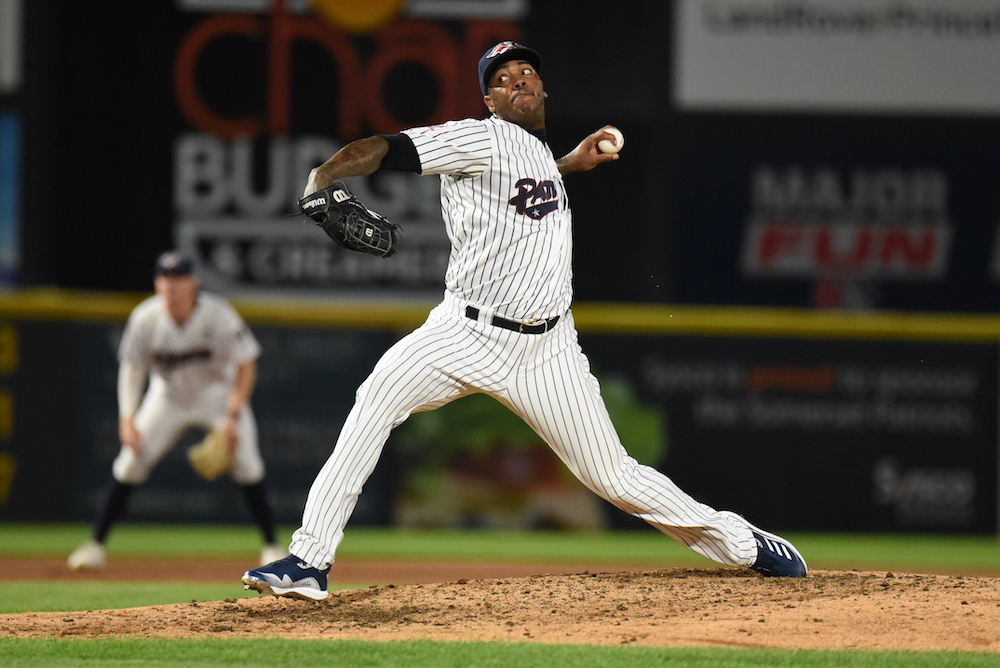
134	346
131	382
455	147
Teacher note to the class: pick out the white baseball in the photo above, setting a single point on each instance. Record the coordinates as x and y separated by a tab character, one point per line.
607	146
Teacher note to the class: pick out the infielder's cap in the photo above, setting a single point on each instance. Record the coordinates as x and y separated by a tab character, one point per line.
502	53
173	263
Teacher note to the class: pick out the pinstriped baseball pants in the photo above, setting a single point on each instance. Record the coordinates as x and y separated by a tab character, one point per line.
543	378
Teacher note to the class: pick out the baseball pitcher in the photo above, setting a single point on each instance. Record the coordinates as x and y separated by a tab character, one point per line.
504	327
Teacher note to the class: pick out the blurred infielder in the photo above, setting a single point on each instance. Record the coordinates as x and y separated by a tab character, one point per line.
201	360
504	328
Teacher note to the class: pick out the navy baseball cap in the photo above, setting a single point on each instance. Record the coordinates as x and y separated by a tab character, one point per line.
502	53
173	263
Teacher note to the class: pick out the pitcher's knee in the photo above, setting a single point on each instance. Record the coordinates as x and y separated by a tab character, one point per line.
626	502
618	495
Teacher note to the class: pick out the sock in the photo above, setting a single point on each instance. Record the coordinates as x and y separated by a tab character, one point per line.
260	509
115	503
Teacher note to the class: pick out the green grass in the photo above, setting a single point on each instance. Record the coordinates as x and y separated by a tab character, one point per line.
37	596
264	653
969	554
136	540
650	548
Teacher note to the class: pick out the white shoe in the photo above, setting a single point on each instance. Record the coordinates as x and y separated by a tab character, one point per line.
272	552
89	556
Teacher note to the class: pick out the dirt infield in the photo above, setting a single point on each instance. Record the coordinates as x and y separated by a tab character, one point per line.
517	603
353	573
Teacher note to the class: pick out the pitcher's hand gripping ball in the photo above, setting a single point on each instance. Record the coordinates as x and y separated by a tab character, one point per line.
607	146
349	222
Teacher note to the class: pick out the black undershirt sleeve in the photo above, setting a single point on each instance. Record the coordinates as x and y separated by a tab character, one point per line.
402	155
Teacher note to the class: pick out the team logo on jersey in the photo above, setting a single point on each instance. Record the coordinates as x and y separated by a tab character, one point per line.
172	360
535	199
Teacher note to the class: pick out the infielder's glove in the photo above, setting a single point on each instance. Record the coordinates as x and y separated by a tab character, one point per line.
349	222
212	457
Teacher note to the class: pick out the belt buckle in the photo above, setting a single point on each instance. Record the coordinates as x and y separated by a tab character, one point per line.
532	323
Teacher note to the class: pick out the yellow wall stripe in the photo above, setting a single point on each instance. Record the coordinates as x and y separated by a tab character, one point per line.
611	318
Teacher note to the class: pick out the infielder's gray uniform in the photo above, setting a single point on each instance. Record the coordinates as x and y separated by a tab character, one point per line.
509	222
192	368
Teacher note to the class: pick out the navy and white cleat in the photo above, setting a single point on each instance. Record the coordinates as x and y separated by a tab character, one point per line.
289	577
776	557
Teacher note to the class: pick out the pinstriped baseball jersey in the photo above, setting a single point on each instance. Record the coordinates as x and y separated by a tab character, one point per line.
504	327
192	368
506	213
510	226
193	362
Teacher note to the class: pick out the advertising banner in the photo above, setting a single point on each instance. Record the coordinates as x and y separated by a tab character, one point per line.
268	90
804	434
208	116
838	56
823	434
854	217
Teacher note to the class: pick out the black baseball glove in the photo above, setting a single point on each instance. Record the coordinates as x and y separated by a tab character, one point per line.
349	222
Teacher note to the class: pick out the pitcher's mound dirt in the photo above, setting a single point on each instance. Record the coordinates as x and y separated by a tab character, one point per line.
673	607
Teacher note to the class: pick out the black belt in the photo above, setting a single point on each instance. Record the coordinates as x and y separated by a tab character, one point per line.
539	327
